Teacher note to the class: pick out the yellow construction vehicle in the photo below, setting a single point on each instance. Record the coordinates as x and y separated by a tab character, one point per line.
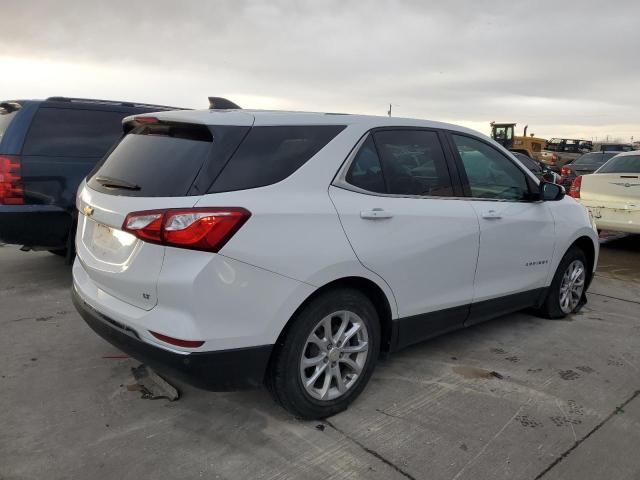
503	133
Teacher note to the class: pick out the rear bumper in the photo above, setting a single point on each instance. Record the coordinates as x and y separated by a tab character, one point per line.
223	370
38	226
615	219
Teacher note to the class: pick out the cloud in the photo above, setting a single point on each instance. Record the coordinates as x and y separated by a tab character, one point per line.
550	64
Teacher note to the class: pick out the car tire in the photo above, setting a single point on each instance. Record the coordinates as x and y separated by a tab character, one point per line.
292	384
553	306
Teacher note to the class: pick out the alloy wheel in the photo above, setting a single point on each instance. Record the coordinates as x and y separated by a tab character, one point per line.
572	286
334	355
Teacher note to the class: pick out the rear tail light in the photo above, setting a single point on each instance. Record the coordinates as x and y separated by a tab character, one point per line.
207	229
565	171
11	189
574	191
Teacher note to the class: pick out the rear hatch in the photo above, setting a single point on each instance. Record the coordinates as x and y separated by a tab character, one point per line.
159	164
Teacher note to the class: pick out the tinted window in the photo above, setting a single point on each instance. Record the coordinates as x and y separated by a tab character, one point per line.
490	173
155	161
593	158
270	154
60	132
365	171
413	163
622	164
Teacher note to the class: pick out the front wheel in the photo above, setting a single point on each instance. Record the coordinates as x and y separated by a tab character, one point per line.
327	355
568	285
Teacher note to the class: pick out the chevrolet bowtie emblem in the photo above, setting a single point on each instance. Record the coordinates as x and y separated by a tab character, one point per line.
87	210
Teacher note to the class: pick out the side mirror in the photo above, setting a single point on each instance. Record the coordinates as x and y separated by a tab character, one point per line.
551	192
549	176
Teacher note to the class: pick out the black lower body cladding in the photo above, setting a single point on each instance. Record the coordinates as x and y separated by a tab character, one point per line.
223	370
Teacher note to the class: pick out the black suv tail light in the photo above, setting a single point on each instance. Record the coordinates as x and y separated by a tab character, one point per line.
11	190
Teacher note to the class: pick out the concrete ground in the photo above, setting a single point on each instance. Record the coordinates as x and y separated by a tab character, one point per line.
567	407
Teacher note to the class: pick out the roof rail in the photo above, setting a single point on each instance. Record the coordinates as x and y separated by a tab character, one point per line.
111	102
219	103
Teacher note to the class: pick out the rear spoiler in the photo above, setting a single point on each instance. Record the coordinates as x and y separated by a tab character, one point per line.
219	103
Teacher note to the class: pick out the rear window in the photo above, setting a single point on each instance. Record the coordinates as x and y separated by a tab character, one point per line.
593	159
63	132
622	164
270	154
157	160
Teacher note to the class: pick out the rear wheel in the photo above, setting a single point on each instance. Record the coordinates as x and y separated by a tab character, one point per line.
327	355
568	285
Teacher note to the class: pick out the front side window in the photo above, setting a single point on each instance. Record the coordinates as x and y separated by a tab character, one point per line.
490	174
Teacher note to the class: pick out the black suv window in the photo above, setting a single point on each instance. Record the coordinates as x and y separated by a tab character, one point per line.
62	132
490	174
413	163
270	154
365	171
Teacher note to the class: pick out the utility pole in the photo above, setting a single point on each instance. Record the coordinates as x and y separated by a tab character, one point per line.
389	111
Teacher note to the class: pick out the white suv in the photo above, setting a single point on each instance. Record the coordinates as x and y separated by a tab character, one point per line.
238	248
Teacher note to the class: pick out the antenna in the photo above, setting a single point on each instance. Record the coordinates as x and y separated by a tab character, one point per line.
389	111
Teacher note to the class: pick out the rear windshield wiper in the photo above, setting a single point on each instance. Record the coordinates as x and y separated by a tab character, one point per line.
109	182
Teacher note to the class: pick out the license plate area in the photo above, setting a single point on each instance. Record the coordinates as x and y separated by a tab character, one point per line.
108	244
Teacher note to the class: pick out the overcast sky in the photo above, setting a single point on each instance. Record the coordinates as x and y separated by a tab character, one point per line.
565	68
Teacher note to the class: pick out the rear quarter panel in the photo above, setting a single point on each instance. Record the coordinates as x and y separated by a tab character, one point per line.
294	229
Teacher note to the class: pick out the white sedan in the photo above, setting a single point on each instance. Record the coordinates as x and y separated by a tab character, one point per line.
612	193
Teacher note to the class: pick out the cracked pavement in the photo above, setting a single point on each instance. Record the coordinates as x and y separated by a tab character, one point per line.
515	398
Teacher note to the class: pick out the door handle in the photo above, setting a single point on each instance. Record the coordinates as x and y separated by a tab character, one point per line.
491	214
375	214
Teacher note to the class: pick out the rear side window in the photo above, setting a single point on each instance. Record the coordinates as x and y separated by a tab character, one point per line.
270	154
365	171
158	160
413	163
62	132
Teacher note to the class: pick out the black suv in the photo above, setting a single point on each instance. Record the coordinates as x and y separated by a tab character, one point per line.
46	148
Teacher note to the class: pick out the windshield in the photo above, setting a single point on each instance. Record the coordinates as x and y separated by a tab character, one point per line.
594	159
622	164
